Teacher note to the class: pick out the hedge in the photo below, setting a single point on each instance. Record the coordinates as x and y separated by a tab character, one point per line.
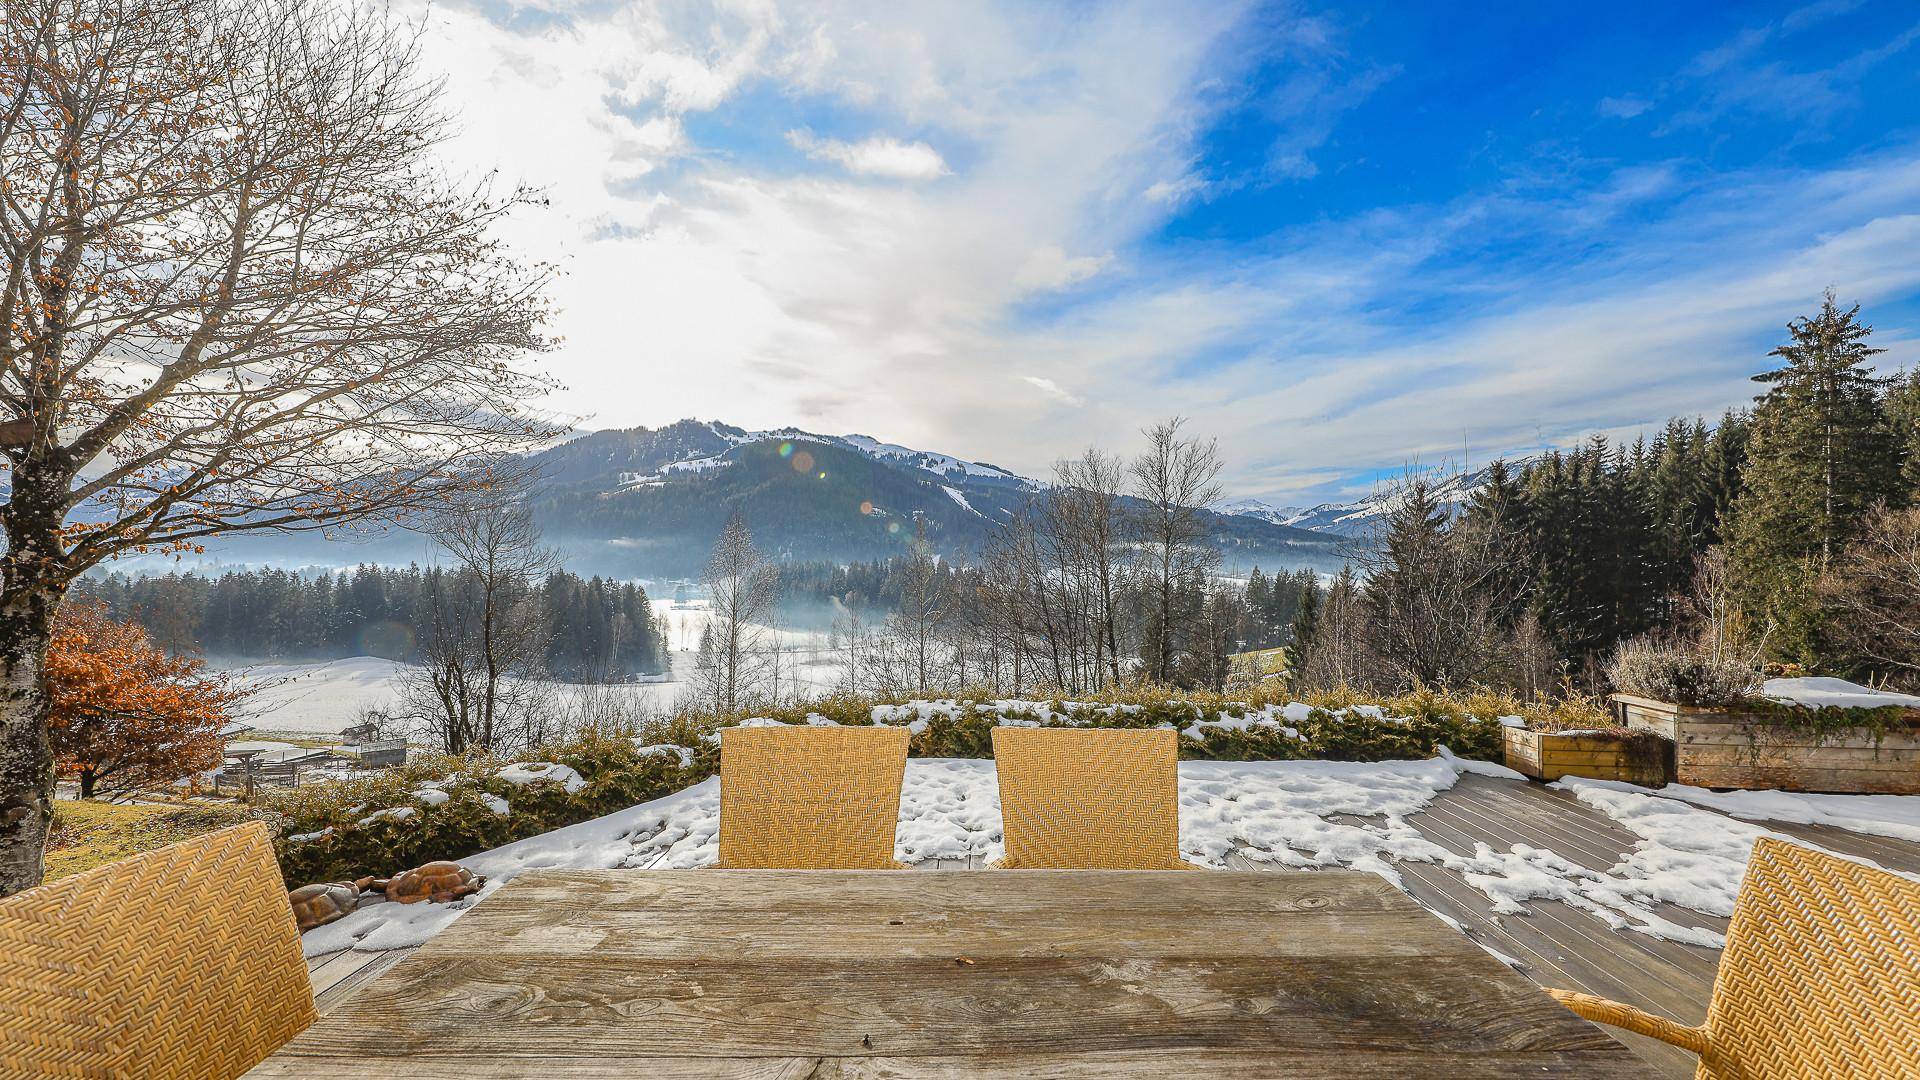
448	808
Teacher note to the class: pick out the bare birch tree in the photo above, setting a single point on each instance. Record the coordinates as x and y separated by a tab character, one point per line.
1089	530
1174	479
917	624
238	294
1333	660
733	648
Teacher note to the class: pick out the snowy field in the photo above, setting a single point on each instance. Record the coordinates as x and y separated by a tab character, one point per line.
1269	811
325	697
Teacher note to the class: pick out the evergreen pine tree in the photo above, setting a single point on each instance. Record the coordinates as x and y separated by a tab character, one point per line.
1821	456
1499	505
1903	418
1306	625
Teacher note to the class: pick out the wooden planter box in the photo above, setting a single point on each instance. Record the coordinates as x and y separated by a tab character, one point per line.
1545	755
1722	749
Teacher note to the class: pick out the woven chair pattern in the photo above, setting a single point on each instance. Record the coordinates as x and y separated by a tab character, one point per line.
1086	799
1820	977
810	798
178	963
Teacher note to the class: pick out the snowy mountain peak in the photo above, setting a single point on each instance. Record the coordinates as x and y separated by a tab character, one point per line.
945	465
1255	508
1451	489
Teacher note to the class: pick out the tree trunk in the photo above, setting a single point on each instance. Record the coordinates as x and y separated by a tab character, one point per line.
26	755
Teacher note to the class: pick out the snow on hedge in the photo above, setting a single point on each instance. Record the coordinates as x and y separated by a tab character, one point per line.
1822	693
522	773
1269	718
682	754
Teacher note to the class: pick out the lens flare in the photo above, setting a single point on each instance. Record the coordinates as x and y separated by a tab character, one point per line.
786	449
866	508
802	462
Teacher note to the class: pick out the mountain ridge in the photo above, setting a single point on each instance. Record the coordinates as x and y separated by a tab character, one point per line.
1359	519
660	495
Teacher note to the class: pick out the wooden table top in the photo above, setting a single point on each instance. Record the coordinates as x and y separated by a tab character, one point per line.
966	973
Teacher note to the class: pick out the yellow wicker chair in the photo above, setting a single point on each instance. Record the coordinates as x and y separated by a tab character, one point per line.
810	798
1820	977
181	962
1089	799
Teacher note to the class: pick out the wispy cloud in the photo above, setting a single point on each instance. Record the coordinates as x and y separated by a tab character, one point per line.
1624	107
1051	389
1742	75
876	156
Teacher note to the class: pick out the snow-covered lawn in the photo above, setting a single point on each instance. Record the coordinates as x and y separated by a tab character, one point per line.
318	698
1268	811
325	697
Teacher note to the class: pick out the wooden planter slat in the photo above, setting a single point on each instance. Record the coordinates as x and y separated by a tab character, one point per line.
1843	757
1548	756
1725	749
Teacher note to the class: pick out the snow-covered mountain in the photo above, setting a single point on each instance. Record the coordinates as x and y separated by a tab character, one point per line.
1256	508
1359	518
650	501
640	456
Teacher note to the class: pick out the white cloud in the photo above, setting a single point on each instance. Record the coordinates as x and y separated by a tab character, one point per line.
1052	389
1049	267
1177	191
701	280
878	156
1624	107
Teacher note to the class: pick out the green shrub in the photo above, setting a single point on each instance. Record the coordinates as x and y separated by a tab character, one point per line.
331	833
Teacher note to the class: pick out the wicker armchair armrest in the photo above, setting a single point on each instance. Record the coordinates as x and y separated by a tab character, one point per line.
1603	1011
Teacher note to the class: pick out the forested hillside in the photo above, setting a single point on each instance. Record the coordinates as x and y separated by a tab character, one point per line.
593	629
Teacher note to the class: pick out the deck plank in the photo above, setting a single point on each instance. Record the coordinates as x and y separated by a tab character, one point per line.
338	976
1065	973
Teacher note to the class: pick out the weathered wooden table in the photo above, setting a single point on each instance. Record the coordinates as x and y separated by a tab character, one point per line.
740	973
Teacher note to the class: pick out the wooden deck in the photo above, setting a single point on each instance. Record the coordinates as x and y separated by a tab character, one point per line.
1059	973
1554	945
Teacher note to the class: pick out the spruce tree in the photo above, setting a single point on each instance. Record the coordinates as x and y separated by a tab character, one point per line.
1822	455
1499	505
1306	625
1903	418
1725	467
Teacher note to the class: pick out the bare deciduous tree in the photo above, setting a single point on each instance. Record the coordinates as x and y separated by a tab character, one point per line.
479	684
1873	588
733	647
1434	597
1174	479
916	625
238	295
1089	534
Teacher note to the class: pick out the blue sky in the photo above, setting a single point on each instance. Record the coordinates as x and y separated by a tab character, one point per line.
1341	238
